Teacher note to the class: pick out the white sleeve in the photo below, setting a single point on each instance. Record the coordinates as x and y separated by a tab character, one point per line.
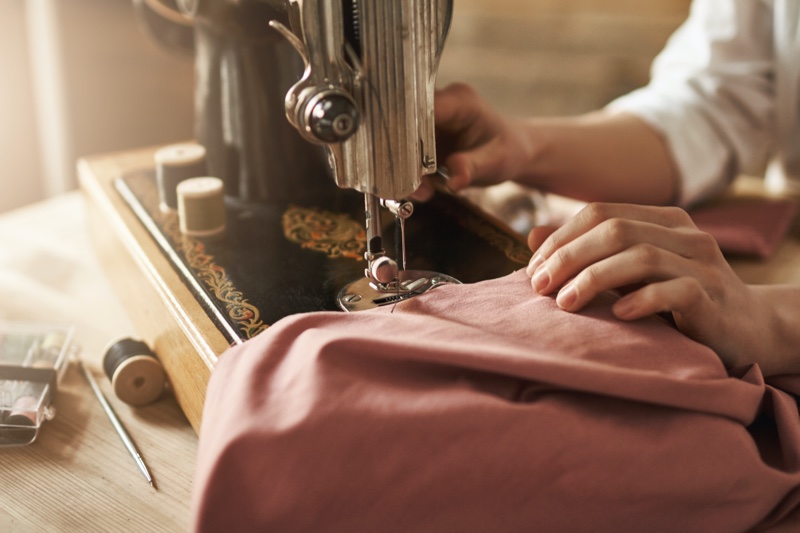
711	94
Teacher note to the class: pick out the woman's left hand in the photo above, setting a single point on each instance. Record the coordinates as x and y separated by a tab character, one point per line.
677	267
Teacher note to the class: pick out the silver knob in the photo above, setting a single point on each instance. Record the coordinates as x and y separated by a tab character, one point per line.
329	116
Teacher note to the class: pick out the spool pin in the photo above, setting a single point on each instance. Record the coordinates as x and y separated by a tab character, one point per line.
201	206
136	375
174	164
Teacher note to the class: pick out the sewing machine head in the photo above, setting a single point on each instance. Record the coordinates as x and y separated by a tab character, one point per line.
367	95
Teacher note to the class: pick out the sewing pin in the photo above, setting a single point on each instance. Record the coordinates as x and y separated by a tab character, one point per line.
120	429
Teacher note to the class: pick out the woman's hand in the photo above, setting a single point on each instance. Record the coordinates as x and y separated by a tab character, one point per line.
677	268
598	156
476	144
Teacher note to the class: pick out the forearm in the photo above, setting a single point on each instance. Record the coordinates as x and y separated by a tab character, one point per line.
600	157
780	344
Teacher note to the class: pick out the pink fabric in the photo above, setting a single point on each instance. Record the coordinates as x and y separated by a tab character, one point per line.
485	408
747	226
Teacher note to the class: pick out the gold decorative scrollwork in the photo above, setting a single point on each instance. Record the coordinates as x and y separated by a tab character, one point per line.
514	249
244	316
334	234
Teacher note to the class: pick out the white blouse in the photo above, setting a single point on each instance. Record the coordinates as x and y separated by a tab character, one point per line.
724	93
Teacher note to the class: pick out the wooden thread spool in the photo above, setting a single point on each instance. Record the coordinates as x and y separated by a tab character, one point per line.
201	206
174	164
136	375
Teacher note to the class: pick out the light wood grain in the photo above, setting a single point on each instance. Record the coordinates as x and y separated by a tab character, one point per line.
77	476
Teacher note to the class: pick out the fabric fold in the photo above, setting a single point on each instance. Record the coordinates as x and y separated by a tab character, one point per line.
483	407
747	226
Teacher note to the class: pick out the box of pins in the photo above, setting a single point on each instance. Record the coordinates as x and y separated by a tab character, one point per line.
33	358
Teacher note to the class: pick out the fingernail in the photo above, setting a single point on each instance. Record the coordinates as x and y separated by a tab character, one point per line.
540	279
567	297
536	260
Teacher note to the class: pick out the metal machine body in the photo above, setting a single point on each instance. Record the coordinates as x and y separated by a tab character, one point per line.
367	95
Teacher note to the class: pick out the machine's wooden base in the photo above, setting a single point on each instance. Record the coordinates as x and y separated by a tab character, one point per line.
164	310
273	260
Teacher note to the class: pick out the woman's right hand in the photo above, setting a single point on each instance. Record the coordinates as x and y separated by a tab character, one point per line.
474	142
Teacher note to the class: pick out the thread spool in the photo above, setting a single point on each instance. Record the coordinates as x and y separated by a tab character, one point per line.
23	412
136	375
19	424
174	164
201	206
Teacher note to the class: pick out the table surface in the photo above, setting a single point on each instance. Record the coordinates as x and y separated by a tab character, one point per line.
77	475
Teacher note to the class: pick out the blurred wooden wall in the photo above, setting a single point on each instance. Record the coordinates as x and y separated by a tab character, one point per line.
556	57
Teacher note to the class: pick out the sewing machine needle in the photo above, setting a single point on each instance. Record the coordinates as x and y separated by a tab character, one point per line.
403	240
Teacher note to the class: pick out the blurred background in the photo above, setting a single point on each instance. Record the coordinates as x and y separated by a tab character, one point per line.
79	77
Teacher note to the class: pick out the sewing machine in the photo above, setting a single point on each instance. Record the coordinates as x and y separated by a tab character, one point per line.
367	94
278	81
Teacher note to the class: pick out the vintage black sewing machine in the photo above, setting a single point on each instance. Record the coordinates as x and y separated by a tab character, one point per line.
318	117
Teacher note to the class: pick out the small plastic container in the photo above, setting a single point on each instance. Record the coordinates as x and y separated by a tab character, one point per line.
33	357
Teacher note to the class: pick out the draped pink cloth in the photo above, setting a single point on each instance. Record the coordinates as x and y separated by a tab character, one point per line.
485	408
747	226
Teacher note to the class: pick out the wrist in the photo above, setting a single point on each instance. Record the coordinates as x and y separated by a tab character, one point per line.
537	144
779	349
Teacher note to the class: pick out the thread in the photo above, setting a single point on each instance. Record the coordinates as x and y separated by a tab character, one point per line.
201	206
136	375
174	164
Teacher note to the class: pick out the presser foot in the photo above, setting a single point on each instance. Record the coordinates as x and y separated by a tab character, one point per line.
364	293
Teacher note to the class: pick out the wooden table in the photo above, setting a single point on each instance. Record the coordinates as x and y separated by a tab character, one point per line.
77	476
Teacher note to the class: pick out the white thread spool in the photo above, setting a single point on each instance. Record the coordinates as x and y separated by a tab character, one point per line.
201	206
174	164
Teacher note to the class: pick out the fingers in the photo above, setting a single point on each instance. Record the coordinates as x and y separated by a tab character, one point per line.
640	242
640	263
456	107
675	267
597	213
538	235
425	191
684	295
468	132
482	166
460	168
607	246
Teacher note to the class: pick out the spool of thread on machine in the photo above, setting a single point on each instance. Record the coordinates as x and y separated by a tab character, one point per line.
136	375
174	164
201	206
